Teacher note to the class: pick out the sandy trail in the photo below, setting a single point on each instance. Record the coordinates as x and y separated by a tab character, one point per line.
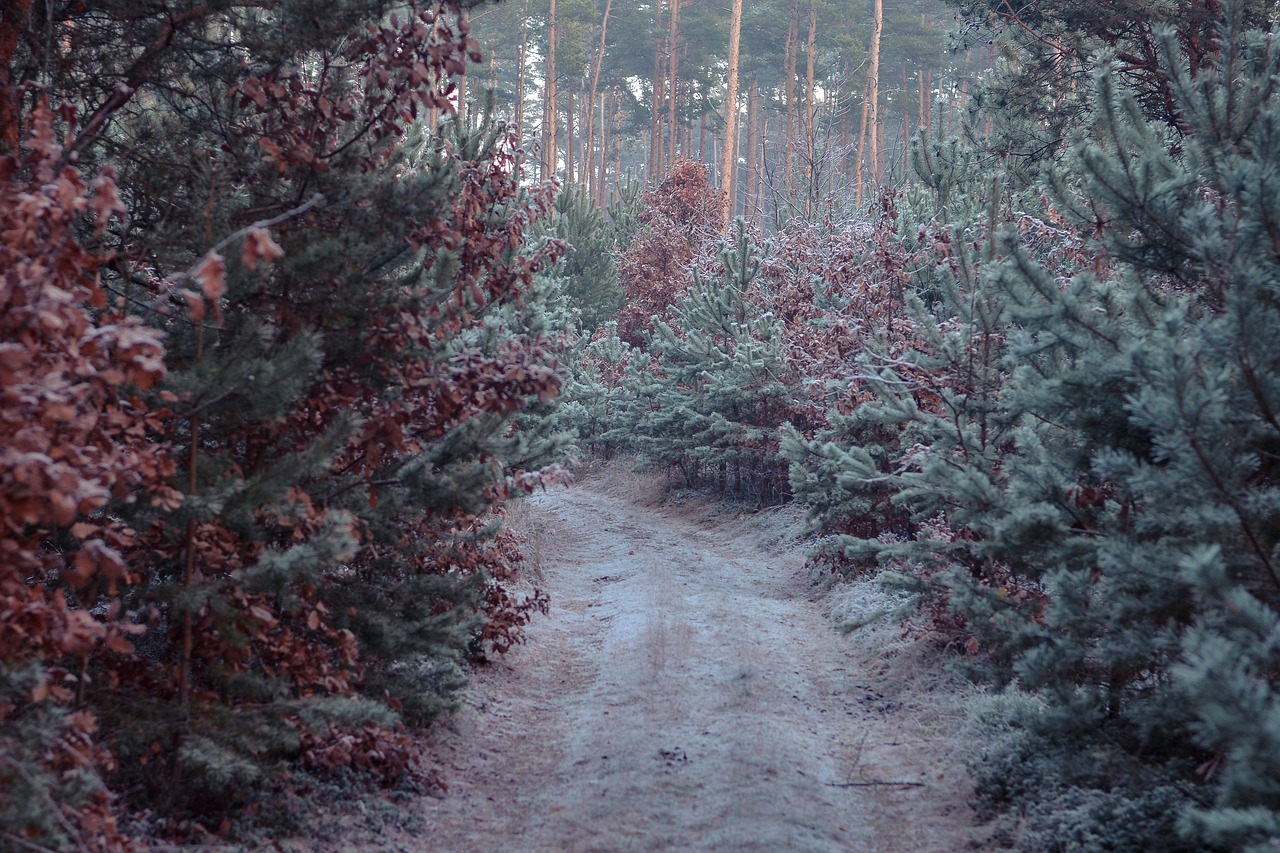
684	694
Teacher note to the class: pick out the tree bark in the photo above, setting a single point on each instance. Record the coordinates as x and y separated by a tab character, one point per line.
673	80
591	105
549	158
617	144
569	171
750	198
464	24
922	104
860	163
11	24
873	93
524	56
606	127
655	120
810	113
730	170
789	94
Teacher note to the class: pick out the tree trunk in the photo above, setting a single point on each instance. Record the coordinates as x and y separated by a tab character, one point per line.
617	144
758	190
591	105
750	199
464	24
606	127
585	160
686	147
860	162
873	95
735	202
655	120
789	94
549	158
922	118
730	170
810	115
524	56
568	137
10	96
673	80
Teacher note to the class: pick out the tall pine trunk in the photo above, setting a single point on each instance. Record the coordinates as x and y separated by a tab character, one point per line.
810	114
606	127
595	190
673	80
549	158
730	170
10	95
750	198
617	144
789	94
524	57
873	90
846	131
655	120
569	158
464	23
868	135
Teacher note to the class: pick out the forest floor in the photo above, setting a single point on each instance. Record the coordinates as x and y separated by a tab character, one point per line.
689	691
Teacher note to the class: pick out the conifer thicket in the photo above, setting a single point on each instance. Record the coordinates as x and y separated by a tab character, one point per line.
265	344
1037	382
281	334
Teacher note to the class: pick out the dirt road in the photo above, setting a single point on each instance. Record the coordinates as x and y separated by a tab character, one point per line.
686	693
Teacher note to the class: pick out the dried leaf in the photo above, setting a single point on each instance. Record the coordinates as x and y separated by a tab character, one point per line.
211	274
195	305
259	247
119	644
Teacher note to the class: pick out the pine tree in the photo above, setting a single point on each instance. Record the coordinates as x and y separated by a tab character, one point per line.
1101	518
589	278
301	545
710	394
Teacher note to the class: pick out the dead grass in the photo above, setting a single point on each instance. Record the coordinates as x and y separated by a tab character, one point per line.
618	478
534	528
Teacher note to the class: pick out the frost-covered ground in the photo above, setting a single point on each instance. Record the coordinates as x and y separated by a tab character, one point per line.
689	692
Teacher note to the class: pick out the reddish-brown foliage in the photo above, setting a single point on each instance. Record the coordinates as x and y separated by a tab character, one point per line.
838	288
86	439
680	221
73	438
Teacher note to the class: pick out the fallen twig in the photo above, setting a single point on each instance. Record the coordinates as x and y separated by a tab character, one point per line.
873	783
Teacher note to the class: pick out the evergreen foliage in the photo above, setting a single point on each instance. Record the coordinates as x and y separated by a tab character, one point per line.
299	338
597	402
589	278
1089	489
711	389
279	336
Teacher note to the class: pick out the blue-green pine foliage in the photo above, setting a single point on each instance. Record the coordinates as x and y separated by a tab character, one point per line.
587	275
1107	478
708	394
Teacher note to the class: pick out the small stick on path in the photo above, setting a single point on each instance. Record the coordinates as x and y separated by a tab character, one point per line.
874	783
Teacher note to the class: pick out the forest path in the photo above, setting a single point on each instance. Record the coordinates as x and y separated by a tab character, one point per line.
685	693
